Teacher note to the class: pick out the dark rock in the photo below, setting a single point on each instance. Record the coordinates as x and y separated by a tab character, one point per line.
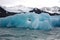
4	13
38	11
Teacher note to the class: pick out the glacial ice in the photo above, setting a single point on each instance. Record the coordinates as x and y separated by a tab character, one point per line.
41	21
55	21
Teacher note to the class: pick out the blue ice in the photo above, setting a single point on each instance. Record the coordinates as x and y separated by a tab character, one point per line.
55	21
41	21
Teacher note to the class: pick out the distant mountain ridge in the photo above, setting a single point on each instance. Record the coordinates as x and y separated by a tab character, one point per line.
18	9
54	9
21	8
8	11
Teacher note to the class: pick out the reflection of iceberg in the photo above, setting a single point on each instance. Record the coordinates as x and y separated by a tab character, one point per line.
30	20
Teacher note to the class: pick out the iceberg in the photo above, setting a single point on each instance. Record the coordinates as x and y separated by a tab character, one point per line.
41	21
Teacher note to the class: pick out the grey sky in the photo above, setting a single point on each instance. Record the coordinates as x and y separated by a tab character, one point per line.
30	3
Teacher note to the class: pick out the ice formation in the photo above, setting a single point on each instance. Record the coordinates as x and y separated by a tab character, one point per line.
55	21
41	21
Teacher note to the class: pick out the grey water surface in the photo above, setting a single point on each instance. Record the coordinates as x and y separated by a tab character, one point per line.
20	34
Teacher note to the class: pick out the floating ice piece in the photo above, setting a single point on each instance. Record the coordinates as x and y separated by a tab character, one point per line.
41	21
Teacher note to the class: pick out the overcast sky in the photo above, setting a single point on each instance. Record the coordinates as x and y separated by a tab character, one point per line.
30	3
